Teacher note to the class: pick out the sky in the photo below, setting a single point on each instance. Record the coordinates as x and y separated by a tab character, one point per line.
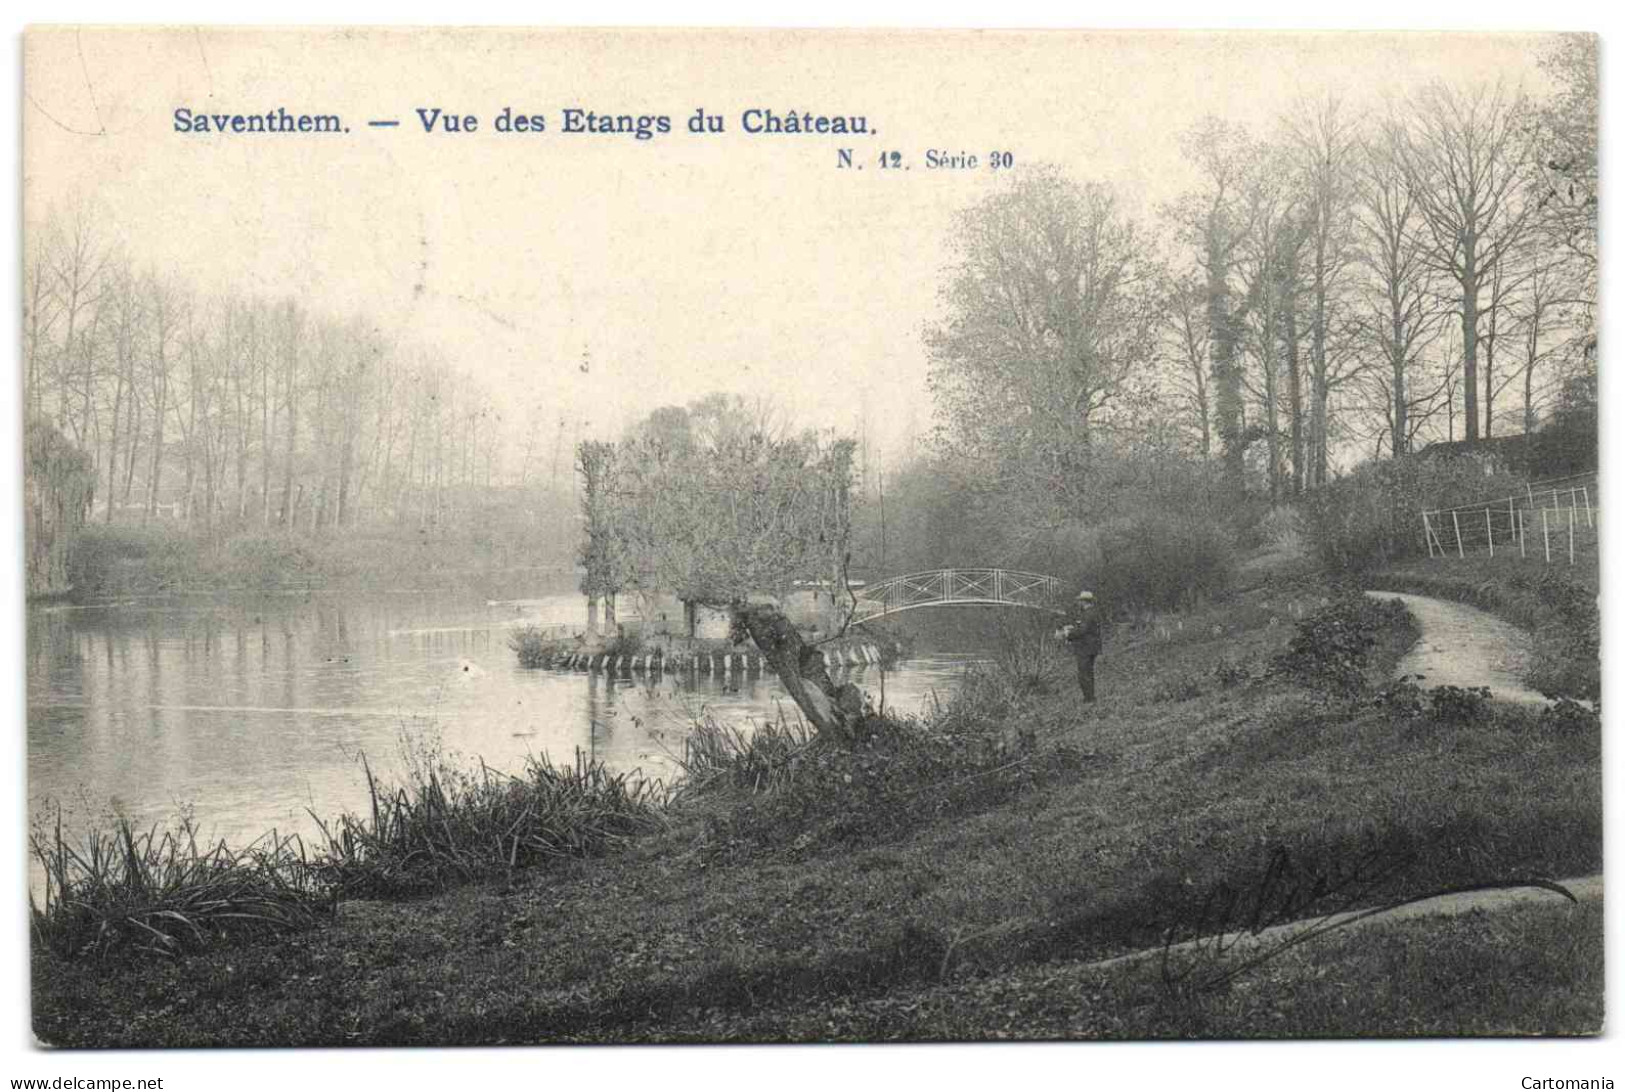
589	278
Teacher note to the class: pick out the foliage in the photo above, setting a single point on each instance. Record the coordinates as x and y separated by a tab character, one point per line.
1566	653
1568	717
105	554
624	644
907	772
1050	323
722	508
58	484
161	892
1282	530
1161	561
1459	706
1373	516
1230	674
266	559
1332	648
531	645
1567	441
1402	698
607	566
1028	660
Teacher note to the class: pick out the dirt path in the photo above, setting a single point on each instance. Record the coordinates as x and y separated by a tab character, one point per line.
1463	646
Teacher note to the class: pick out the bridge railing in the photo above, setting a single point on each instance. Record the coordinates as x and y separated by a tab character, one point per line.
946	587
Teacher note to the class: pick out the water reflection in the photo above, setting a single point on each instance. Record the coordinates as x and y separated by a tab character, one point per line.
254	709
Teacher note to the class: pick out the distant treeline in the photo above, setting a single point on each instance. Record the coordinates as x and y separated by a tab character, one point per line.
226	411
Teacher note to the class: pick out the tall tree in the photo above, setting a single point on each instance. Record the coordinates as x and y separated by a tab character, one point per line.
1049	323
1184	323
1464	160
1398	314
1267	258
1325	141
1213	224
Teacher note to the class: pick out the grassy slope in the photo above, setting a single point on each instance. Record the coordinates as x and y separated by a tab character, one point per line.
685	936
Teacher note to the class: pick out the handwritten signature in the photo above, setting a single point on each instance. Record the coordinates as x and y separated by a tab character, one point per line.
1235	928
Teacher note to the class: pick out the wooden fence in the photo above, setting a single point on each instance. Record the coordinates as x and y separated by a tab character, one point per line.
1545	522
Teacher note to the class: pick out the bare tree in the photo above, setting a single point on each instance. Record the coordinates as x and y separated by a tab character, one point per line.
1213	224
1464	160
1269	248
1398	316
1184	324
1325	142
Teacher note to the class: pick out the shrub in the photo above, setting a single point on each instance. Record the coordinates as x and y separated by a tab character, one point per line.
1333	647
1565	656
1160	561
1282	530
1566	717
1402	697
530	645
1029	660
1458	705
107	559
907	772
264	559
159	892
625	644
1372	517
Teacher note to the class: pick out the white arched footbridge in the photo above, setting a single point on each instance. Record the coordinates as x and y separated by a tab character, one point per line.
958	588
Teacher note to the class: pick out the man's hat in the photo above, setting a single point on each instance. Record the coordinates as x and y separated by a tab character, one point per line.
1086	597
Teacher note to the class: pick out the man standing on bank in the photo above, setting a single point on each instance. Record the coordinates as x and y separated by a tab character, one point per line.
1083	633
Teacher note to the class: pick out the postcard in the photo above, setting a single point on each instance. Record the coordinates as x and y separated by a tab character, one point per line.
767	536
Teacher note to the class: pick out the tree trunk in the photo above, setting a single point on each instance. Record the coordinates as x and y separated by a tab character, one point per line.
836	711
112	444
1294	393
1226	374
159	412
1469	355
135	447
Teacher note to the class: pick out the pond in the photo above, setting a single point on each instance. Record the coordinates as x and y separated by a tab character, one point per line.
251	709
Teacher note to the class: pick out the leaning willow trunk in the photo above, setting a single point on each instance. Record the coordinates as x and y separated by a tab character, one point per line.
835	710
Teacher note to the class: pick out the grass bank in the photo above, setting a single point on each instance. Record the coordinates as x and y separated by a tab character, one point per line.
956	875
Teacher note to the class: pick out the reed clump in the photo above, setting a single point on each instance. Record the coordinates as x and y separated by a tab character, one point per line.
162	891
445	825
718	754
